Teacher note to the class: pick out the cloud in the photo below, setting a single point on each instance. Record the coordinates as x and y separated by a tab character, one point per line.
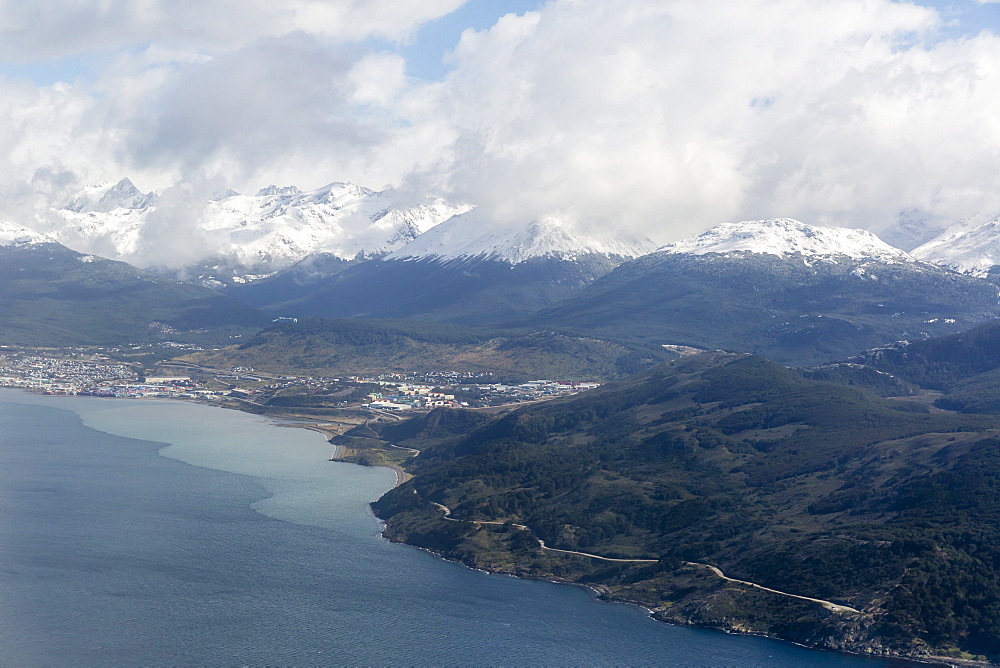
256	107
58	28
660	117
178	93
173	236
668	117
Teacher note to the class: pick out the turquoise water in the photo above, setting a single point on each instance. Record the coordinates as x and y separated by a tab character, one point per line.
165	533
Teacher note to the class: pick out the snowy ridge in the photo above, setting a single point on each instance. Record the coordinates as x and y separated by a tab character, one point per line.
785	237
257	234
282	226
12	234
972	251
469	236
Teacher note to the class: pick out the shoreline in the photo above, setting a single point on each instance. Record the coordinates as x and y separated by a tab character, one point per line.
605	593
605	596
297	423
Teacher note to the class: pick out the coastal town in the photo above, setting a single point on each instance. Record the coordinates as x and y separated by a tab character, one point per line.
88	373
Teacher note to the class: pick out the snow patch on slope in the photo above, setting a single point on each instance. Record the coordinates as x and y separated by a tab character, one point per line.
786	237
12	234
469	236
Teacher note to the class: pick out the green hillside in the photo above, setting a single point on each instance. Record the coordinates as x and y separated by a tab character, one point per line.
807	487
941	362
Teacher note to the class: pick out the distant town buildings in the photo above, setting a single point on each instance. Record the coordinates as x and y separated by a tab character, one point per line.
397	392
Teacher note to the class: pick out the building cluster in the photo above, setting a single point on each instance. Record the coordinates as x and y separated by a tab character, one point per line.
495	394
167	388
432	378
98	376
407	396
95	378
64	375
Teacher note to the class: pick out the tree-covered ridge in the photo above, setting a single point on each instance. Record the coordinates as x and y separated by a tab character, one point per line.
809	487
940	363
963	369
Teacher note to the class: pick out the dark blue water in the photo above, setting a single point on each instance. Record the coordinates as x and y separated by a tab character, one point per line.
115	550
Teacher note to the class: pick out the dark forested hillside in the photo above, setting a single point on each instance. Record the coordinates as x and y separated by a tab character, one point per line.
807	487
795	310
53	296
471	291
964	368
940	362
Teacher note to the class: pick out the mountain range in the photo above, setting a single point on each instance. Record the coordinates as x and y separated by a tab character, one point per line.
797	293
463	270
279	226
235	238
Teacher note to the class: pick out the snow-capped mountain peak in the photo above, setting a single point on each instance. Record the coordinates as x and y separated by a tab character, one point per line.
275	191
965	249
786	237
469	236
12	234
104	197
223	194
341	191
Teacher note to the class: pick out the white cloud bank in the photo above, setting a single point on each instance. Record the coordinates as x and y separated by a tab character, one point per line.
657	116
672	116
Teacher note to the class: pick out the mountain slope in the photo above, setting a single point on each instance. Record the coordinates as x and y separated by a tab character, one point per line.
464	270
322	347
785	237
805	487
469	237
797	293
912	229
974	251
53	296
940	362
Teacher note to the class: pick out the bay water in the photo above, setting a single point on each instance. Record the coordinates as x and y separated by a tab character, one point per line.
141	532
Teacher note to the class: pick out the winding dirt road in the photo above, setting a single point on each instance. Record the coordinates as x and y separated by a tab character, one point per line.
829	605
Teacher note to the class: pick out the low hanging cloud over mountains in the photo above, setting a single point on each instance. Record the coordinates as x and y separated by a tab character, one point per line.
661	117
